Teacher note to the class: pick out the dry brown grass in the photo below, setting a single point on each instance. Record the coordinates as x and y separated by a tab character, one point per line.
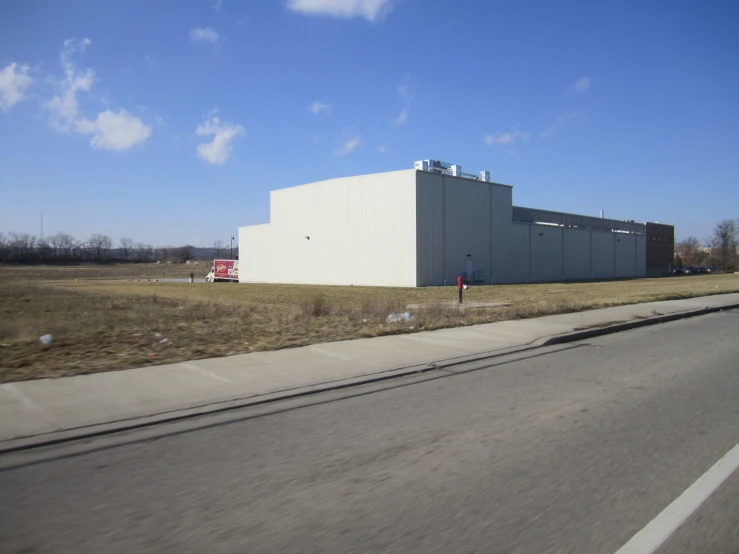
103	325
91	271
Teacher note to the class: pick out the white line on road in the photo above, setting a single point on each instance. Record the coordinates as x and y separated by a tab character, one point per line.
657	531
206	372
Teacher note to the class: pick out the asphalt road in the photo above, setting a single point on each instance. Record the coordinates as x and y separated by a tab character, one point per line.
570	449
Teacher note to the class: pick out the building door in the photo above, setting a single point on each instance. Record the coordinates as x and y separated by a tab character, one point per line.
470	270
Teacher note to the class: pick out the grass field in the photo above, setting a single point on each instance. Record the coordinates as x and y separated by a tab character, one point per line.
101	323
88	272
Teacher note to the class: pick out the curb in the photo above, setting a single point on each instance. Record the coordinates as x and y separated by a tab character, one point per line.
104	429
597	332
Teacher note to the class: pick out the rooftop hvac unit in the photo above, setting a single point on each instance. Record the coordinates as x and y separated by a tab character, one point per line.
444	168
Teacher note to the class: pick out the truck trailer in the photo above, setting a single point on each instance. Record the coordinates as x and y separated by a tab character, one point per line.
223	270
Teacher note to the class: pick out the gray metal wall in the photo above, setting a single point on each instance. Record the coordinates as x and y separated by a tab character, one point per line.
576	254
415	228
546	253
456	217
602	249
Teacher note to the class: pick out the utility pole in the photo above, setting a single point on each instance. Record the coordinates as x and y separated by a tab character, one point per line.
232	247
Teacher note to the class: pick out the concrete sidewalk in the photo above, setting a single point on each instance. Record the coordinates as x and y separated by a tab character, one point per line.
42	410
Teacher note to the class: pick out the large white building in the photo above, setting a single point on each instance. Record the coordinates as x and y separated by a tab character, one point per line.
426	226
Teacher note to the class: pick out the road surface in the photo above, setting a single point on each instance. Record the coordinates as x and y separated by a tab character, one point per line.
575	448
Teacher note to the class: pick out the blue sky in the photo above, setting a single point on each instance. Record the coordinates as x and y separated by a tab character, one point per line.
169	121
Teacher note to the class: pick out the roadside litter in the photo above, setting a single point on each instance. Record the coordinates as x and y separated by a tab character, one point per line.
45	340
399	318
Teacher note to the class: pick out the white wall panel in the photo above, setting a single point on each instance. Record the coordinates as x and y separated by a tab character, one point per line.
255	259
362	232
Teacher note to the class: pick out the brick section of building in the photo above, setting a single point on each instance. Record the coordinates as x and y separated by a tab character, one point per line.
660	249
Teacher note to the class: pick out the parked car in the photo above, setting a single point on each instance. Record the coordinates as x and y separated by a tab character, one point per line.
688	269
678	271
700	269
711	270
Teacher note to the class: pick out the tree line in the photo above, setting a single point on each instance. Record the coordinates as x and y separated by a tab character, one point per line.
62	247
719	250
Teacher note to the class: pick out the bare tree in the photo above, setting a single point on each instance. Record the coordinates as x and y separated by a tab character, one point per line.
73	247
218	248
56	244
61	245
3	247
44	249
688	250
724	244
98	246
143	252
126	246
20	246
183	253
162	253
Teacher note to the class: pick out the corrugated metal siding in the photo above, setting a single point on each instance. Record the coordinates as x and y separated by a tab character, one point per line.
603	255
457	217
546	253
362	232
513	265
409	228
466	226
625	256
534	215
500	230
576	255
429	229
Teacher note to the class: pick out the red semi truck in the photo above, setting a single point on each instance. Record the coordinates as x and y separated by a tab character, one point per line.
223	270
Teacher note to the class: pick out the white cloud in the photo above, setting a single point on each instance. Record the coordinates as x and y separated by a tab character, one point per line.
382	149
371	10
217	150
402	117
406	92
582	85
349	146
559	122
499	139
318	107
204	35
64	106
110	130
218	5
14	81
114	130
